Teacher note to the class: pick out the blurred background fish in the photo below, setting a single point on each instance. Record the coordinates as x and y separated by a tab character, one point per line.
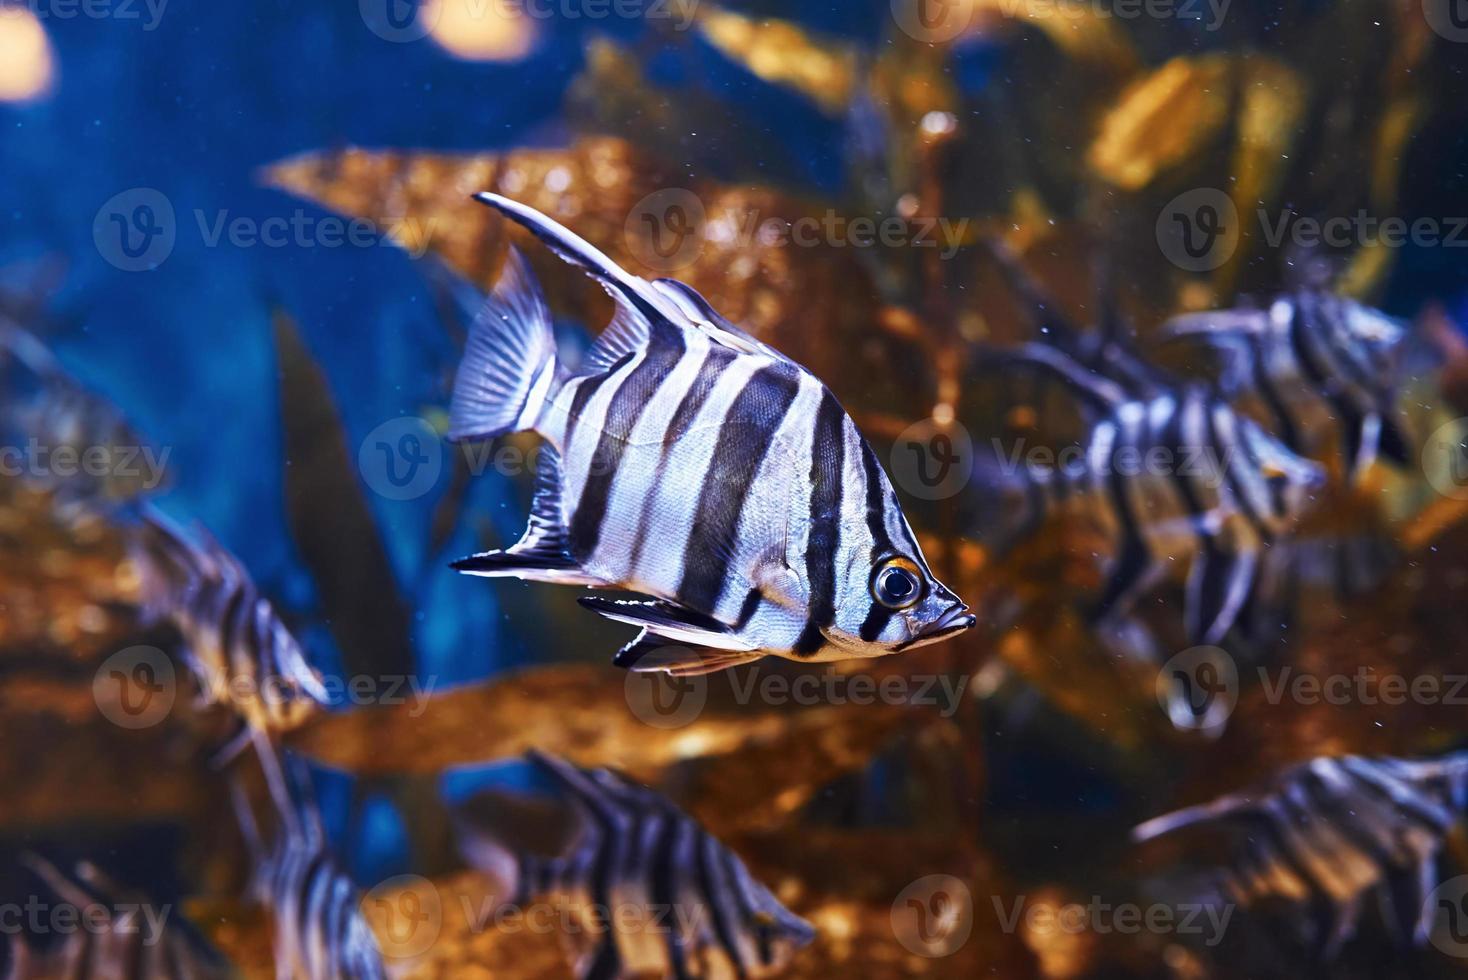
248	301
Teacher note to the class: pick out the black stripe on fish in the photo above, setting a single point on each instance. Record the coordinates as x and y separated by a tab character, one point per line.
1227	449
1349	418
827	469
663	892
1173	438
631	398
878	615
748	609
1133	558
744	440
745	908
1284	422
586	387
716	894
715	360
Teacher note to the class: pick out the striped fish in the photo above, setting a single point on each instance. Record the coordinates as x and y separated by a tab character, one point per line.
1176	479
1315	363
239	651
689	907
689	462
127	947
1330	833
40	401
315	906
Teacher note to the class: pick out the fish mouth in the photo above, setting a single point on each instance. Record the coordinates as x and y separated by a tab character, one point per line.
954	621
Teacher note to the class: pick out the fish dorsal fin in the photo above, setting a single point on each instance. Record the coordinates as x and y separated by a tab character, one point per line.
629	331
1090	388
1213	323
699	314
625	288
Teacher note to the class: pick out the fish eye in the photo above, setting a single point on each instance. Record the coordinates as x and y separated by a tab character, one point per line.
897	584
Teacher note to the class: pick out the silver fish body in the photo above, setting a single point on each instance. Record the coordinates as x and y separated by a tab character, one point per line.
1329	833
42	407
319	931
1319	368
240	652
652	893
689	462
1178	479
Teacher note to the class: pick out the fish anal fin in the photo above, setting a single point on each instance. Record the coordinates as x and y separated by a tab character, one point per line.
543	553
650	653
671	622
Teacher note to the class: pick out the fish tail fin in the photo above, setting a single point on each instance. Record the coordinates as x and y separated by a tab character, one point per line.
510	372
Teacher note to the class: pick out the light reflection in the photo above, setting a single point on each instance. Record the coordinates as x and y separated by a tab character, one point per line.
26	66
479	30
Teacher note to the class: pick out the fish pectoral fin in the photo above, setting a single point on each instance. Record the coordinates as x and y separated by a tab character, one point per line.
781	584
671	622
543	553
650	653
